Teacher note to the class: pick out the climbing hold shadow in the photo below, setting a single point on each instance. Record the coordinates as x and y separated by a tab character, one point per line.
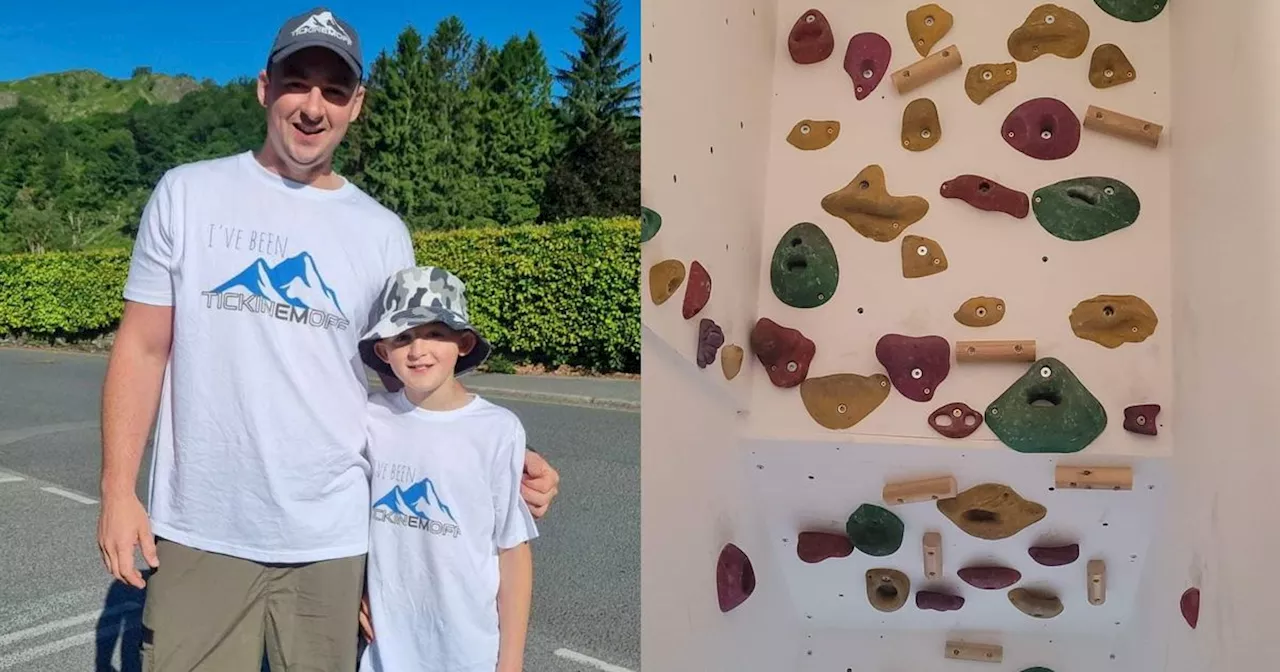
842	400
805	271
991	511
1113	320
1047	410
735	578
1085	208
1049	29
1042	128
866	204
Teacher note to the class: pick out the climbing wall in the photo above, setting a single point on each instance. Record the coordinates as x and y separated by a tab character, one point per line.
959	330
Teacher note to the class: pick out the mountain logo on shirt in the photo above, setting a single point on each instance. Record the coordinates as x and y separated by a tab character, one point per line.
417	506
292	290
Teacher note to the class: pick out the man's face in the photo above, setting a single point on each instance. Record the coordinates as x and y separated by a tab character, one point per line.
311	99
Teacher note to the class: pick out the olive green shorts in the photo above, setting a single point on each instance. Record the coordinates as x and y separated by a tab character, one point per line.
207	612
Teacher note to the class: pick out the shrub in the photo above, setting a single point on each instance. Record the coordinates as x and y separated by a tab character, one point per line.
560	294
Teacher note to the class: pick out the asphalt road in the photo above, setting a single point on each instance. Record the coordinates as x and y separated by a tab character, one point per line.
60	611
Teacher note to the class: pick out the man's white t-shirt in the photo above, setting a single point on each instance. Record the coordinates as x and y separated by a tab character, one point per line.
260	434
445	500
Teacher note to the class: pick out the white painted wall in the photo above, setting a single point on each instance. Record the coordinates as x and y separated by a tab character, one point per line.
703	89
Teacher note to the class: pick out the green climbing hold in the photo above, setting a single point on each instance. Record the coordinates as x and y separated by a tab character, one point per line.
1084	208
875	530
1047	410
804	272
1136	11
650	222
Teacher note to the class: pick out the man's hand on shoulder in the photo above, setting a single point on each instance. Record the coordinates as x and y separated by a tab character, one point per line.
541	483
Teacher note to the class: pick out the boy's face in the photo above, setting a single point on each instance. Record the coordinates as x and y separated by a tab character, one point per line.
424	357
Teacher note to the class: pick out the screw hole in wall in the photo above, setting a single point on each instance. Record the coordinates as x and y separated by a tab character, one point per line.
859	310
650	58
674	179
1044	259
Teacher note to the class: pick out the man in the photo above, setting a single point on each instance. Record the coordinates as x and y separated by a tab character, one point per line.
251	281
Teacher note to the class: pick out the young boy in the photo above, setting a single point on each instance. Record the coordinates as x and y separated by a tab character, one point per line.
450	572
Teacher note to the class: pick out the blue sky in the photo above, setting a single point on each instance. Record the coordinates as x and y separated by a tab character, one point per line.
229	39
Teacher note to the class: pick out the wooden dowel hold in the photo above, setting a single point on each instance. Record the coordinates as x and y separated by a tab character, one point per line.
1093	478
996	351
932	555
927	69
1097	571
986	653
1123	126
920	491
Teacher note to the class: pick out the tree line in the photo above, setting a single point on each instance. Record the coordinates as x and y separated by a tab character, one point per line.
455	133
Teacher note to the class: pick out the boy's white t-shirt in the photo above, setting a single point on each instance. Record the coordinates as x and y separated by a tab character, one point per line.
260	434
445	499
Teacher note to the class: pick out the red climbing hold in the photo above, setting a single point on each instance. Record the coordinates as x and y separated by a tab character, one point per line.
1190	605
698	291
815	547
785	353
735	579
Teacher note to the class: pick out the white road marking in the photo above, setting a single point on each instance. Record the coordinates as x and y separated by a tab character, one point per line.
46	628
15	435
69	495
28	655
585	660
10	478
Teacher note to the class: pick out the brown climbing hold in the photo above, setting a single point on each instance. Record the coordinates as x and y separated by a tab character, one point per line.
991	511
916	364
811	39
927	25
921	128
922	257
784	352
1110	67
980	311
987	79
1036	603
814	547
866	60
1141	419
961	420
1055	556
987	194
842	400
710	338
731	361
1042	128
867	206
1049	29
810	134
1111	320
697	292
735	578
990	578
664	279
935	601
887	589
1189	605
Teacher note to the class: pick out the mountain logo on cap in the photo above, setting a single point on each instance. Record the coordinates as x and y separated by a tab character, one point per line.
323	23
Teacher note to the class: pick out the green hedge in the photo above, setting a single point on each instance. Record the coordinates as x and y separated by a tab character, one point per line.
562	294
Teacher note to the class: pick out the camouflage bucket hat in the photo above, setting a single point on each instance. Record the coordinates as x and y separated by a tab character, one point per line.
416	296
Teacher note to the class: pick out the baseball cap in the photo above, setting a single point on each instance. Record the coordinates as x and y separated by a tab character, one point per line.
318	28
415	296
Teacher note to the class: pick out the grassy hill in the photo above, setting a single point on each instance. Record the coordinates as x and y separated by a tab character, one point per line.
77	93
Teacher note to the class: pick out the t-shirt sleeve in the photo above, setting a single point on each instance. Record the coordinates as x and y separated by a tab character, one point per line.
400	256
150	268
513	523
